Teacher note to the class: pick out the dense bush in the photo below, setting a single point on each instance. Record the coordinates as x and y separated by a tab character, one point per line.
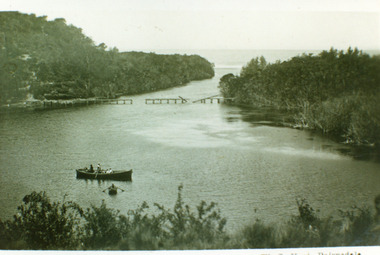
335	92
103	227
180	229
42	224
355	227
53	60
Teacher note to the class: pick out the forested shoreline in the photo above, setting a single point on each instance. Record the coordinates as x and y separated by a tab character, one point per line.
335	92
43	59
42	224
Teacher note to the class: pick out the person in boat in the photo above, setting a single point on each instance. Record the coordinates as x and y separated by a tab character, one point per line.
113	187
99	168
91	168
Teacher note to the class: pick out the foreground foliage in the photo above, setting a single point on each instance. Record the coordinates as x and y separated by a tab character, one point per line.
42	224
53	60
334	92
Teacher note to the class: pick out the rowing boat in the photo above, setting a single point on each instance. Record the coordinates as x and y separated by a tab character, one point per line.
121	175
112	191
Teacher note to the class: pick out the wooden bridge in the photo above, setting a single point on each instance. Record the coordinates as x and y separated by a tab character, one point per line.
218	99
77	102
116	101
165	100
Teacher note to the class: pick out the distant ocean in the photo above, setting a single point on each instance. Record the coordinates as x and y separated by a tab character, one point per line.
239	58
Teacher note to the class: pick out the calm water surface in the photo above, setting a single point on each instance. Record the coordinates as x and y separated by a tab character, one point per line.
239	158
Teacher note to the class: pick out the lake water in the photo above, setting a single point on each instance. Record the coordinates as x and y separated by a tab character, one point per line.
238	157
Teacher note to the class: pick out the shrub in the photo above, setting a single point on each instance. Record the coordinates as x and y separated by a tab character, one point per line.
365	121
307	215
357	224
103	228
42	224
177	229
144	232
187	230
258	236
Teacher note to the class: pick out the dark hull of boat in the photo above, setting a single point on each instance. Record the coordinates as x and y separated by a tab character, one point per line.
115	175
112	191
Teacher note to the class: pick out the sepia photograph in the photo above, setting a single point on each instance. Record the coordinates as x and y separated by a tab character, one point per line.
190	127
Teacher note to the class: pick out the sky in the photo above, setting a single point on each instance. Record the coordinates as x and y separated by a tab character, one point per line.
217	24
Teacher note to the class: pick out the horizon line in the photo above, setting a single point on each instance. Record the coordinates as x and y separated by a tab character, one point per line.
243	49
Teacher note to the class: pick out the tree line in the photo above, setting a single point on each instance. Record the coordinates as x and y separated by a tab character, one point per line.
336	92
53	60
64	225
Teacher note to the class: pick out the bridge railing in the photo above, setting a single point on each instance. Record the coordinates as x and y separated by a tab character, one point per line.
213	99
181	100
165	100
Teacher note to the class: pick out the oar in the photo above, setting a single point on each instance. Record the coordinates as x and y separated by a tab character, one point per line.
106	189
119	188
